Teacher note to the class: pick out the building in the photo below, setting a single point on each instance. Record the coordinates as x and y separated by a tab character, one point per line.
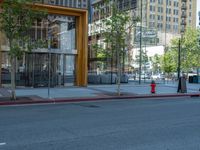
64	62
101	9
161	21
166	17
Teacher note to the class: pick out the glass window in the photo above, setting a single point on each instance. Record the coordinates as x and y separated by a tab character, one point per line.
68	3
63	34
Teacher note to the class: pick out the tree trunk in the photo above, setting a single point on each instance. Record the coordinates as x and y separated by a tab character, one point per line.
13	63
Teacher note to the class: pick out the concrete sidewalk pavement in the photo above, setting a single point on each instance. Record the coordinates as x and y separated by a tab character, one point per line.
94	92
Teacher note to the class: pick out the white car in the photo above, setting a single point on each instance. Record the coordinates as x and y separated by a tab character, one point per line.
157	77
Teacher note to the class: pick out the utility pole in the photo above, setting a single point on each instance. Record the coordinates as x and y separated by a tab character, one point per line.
140	66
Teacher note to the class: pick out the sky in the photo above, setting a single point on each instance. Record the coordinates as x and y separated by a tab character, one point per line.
198	9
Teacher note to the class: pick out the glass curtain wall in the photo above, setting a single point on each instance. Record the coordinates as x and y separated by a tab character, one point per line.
54	60
67	3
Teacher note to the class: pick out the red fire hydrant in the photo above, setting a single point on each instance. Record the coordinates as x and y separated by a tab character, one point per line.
153	87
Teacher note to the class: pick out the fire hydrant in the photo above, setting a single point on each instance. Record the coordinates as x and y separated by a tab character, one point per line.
153	87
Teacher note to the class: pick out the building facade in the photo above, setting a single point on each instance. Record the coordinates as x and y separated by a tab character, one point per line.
166	16
101	9
161	20
64	61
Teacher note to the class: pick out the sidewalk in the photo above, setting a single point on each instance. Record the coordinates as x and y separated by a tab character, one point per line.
94	92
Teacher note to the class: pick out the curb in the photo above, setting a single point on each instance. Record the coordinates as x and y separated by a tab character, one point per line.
88	99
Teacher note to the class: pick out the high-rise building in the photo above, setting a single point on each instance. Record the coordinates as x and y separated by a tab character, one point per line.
64	61
166	16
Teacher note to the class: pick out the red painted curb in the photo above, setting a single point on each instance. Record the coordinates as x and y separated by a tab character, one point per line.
67	100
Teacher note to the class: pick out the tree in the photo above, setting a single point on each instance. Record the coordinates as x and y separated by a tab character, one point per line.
190	53
156	63
144	59
168	62
115	35
16	19
114	29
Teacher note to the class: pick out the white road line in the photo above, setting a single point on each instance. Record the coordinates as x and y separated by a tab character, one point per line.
1	144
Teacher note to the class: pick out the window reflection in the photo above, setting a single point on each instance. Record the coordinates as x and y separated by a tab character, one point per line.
33	68
62	33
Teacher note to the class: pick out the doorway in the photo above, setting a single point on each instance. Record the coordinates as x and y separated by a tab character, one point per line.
61	73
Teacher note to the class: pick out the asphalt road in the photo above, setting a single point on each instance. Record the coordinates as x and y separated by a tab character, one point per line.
113	125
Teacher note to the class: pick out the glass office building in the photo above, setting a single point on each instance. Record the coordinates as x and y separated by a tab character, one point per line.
63	61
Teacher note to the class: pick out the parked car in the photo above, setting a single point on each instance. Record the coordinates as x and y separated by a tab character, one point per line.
131	76
146	76
158	77
143	76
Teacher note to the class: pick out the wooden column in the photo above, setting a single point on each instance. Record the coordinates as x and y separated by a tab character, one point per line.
82	48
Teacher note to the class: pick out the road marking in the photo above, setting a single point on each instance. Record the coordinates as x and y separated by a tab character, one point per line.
1	144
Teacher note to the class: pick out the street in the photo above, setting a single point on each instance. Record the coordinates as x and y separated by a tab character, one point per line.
151	124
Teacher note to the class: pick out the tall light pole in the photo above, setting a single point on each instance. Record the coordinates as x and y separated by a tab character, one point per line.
183	24
179	58
49	55
140	63
182	83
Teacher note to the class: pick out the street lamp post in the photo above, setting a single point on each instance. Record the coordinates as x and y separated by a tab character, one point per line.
140	63
49	55
118	63
179	58
118	70
183	24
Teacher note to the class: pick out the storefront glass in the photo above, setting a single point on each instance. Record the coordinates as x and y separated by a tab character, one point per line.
54	60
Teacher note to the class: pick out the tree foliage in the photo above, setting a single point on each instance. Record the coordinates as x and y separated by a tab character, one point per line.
16	20
156	63
168	62
190	52
116	31
144	58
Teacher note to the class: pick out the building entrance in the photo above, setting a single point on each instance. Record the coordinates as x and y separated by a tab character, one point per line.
49	68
